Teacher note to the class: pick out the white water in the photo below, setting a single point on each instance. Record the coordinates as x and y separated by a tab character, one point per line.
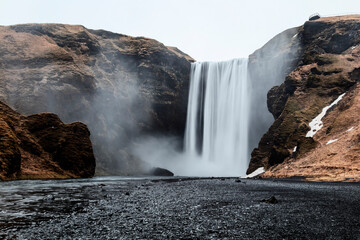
216	136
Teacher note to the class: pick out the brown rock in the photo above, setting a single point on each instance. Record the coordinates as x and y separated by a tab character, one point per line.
336	154
328	66
41	146
120	86
268	67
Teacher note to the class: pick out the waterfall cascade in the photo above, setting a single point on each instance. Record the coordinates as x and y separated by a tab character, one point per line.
216	135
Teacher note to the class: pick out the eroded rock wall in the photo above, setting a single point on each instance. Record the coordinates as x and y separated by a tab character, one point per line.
268	67
120	86
41	146
328	66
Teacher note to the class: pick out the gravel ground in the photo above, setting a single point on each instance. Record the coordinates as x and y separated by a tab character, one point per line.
178	208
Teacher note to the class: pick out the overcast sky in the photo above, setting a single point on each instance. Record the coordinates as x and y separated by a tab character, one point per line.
204	29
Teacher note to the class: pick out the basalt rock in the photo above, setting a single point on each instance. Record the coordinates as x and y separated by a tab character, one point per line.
122	87
161	172
271	200
327	66
41	146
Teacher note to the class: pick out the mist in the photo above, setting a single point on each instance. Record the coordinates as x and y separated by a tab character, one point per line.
115	120
267	68
126	89
121	87
165	152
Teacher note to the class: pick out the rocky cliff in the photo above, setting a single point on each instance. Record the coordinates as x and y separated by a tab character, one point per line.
41	146
325	66
267	68
120	86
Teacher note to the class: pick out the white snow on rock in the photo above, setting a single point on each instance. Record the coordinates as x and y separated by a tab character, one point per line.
255	173
316	124
331	141
350	129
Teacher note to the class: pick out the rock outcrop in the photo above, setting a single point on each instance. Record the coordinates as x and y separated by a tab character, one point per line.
327	66
41	146
161	172
268	67
336	155
120	86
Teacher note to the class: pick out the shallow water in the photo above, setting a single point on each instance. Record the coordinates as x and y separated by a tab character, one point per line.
178	208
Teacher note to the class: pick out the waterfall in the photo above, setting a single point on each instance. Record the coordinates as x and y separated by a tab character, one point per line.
216	135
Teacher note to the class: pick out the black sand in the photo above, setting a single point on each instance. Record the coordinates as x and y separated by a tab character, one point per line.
116	208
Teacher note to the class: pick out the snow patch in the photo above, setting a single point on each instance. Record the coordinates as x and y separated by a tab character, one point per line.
331	141
316	124
255	173
294	150
350	129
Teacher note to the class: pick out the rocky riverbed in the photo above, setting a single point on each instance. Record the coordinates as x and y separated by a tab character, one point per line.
178	208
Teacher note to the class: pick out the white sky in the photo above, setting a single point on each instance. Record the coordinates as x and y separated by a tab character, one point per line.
204	29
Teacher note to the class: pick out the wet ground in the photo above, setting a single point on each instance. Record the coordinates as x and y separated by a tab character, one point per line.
124	208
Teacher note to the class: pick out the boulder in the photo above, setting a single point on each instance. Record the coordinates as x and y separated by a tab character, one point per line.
271	200
41	146
161	172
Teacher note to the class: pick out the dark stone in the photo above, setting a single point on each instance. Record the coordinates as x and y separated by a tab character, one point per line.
278	155
316	71
161	172
311	29
355	75
339	43
276	100
271	200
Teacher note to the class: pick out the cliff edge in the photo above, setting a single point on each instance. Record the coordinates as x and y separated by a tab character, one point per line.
327	69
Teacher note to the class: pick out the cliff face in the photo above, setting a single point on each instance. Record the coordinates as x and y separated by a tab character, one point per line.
41	146
268	67
120	86
328	66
